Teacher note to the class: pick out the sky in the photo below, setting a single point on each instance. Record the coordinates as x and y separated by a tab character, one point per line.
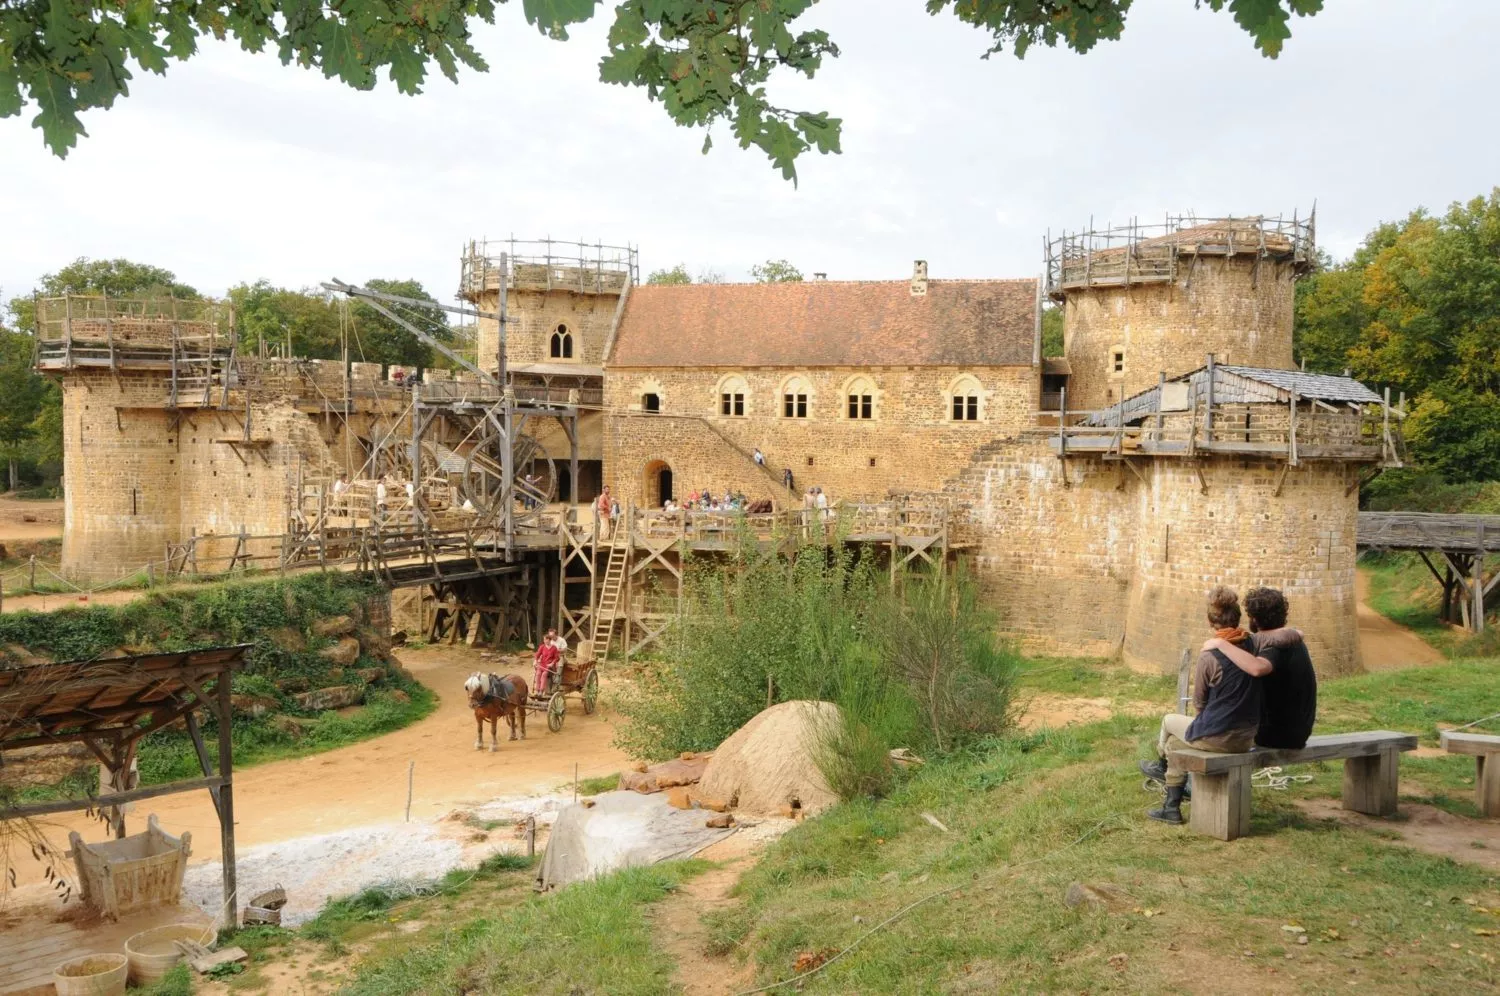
232	168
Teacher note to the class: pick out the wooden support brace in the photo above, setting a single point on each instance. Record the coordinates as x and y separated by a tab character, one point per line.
1370	783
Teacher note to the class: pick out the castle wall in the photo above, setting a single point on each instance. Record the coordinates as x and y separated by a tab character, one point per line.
1217	305
535	315
1116	563
911	444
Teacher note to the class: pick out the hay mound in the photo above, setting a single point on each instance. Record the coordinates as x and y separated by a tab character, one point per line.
767	765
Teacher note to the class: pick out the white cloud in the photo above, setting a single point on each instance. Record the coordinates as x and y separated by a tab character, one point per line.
232	167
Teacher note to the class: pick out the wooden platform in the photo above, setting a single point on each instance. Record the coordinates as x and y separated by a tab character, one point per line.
37	936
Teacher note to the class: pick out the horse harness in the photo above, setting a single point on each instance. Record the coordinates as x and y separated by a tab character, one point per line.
498	688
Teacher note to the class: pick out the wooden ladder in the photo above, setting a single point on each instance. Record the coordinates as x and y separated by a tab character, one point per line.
609	595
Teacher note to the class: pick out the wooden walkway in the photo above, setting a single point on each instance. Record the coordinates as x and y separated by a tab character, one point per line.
1459	550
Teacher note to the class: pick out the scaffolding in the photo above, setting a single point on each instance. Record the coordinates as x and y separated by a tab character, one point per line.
1123	255
487	265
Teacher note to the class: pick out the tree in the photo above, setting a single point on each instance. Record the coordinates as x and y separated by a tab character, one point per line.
706	62
385	341
298	321
115	277
21	395
676	275
776	271
1052	331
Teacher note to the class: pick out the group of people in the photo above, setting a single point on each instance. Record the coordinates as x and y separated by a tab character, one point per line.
1250	689
547	664
706	501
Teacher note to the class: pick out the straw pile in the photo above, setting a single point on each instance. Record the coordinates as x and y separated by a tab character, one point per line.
767	766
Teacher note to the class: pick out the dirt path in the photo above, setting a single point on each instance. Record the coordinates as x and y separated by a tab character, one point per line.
1426	828
46	519
680	931
365	784
1385	645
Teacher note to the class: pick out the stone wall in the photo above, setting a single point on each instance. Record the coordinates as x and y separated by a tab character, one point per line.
910	445
535	315
1114	563
1218	305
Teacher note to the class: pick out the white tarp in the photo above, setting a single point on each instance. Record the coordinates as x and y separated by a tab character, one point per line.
621	830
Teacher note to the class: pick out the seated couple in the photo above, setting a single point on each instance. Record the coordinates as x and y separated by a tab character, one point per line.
1255	689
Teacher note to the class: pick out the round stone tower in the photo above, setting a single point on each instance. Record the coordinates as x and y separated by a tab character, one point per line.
1140	301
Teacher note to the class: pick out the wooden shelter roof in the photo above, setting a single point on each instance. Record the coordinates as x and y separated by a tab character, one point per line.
105	698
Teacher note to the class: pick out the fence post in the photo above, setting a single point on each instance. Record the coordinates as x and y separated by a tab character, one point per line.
32	582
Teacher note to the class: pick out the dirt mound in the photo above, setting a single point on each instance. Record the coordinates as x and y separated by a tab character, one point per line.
767	765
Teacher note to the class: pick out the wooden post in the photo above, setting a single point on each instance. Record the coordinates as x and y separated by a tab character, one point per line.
1370	783
531	836
1291	434
1208	409
1477	584
411	770
1221	803
226	800
31	581
1062	421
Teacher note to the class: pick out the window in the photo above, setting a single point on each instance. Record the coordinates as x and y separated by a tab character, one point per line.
732	393
794	395
651	402
860	394
562	343
1117	361
963	395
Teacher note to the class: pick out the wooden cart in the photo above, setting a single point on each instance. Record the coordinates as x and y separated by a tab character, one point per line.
577	677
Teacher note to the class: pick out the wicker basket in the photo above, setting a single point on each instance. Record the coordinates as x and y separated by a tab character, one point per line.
91	975
118	877
152	953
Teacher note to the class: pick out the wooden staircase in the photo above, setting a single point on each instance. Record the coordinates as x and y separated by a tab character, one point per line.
612	590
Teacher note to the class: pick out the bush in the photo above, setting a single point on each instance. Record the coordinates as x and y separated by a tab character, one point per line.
918	666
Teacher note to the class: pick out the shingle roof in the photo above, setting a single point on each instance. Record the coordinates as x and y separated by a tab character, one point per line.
1230	387
829	323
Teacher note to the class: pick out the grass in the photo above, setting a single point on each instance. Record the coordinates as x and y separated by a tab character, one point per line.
592	937
1403	590
593	786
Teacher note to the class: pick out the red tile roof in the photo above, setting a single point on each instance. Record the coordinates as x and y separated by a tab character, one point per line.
828	323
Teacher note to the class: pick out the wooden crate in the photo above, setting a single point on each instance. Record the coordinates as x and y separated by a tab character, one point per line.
118	877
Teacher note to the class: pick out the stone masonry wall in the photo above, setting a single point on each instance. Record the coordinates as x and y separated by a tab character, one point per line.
535	315
1114	563
1223	307
911	445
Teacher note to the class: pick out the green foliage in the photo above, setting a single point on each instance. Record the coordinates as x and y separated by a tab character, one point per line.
593	936
307	324
115	277
22	394
706	63
1417	308
177	982
1052	331
832	630
1408	489
263	613
776	271
676	275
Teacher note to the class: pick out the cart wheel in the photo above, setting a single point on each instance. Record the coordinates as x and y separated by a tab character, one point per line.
590	692
557	708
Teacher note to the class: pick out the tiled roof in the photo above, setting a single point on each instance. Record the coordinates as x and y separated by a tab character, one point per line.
829	323
1230	387
1324	387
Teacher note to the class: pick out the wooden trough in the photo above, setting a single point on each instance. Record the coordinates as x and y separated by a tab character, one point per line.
121	876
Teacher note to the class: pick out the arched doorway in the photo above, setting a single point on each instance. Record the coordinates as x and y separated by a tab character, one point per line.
657	486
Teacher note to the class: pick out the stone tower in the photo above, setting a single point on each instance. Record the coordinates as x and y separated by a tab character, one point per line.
561	299
1140	301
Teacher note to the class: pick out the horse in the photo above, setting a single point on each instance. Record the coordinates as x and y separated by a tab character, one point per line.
491	697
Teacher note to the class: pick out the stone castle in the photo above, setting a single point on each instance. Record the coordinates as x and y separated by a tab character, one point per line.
1098	494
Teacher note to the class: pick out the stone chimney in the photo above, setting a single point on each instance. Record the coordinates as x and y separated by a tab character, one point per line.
919	278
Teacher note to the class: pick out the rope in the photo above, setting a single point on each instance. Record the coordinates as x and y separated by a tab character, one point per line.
1091	831
1478	721
1272	778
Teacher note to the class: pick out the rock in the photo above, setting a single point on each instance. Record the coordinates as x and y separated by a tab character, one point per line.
293	726
288	639
375	644
714	805
1093	896
19	656
344	652
721	822
370	675
253	705
334	626
290	685
639	767
335	697
678	797
399	696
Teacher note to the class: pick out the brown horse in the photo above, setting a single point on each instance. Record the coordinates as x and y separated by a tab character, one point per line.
491	697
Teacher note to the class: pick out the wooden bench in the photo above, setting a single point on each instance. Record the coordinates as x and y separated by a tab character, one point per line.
1486	776
1220	806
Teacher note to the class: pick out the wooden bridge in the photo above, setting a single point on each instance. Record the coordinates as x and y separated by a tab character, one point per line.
1457	549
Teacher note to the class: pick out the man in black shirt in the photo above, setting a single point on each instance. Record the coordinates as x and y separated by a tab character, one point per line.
1281	661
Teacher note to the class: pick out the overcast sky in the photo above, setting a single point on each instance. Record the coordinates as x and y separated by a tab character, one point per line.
232	168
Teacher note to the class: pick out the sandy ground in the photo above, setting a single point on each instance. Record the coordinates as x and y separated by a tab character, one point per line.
1426	828
1385	645
1052	710
46	516
365	784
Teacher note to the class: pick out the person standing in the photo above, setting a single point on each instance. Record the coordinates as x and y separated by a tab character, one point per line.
605	505
786	479
760	458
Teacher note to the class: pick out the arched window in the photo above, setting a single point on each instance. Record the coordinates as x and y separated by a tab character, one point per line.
796	394
964	399
651	402
562	343
859	395
733	391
